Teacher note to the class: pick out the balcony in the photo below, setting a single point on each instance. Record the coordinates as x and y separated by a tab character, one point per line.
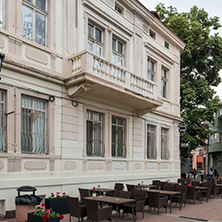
93	75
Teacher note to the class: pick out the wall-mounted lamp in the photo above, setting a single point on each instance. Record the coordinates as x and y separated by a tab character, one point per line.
51	98
109	29
2	56
75	103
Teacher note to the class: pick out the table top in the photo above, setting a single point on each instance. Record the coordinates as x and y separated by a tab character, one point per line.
112	200
167	192
218	184
201	188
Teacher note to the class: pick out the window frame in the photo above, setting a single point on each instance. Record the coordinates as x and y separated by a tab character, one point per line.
45	120
116	54
119	6
150	72
164	79
165	151
101	149
154	156
152	34
117	136
92	39
3	120
166	44
34	10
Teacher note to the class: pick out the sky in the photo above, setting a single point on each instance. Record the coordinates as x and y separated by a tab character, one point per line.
213	8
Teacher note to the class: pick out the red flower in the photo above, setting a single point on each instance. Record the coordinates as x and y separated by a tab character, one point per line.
94	188
138	184
52	194
64	193
45	218
57	196
42	205
167	181
188	185
61	217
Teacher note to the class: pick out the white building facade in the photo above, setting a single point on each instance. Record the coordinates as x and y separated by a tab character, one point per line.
90	94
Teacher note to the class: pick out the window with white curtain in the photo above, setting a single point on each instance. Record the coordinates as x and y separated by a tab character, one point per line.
151	142
34	125
150	70
34	20
165	144
3	124
164	80
94	134
2	13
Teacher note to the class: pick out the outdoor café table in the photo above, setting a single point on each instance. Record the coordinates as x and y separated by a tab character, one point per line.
202	189
101	190
170	194
114	200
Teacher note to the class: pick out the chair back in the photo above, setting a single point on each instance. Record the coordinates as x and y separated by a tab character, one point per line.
118	186
73	203
157	183
181	188
219	181
92	207
206	184
130	187
123	194
168	186
139	195
195	183
84	193
153	199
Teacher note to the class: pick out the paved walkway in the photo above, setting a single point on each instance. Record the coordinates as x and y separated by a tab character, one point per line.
210	211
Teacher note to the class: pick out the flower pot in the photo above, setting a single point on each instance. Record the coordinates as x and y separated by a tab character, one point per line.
35	218
59	205
94	194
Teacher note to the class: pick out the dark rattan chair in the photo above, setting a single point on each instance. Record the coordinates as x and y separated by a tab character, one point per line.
193	194
130	187
195	183
76	209
95	213
157	201
138	206
168	186
182	198
84	193
157	183
117	187
207	193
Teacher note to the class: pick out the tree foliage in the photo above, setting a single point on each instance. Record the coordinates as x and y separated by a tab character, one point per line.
201	62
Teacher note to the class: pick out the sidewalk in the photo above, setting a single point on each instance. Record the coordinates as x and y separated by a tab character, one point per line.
210	211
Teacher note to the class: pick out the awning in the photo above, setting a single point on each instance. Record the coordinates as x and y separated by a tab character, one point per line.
199	159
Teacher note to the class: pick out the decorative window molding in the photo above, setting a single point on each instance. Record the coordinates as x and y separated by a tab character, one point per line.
34	20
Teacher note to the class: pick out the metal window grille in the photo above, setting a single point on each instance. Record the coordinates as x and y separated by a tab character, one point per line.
118	137
34	20
94	134
165	144
34	133
3	122
151	142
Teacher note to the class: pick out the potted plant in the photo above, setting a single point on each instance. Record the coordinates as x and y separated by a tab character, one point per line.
45	215
94	192
58	202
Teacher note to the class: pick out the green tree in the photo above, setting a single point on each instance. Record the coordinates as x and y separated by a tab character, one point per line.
201	62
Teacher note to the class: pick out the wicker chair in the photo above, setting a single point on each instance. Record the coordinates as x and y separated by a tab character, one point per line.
193	194
209	185
182	198
215	190
138	206
157	183
84	193
157	201
76	209
195	183
95	213
219	181
130	187
168	186
118	187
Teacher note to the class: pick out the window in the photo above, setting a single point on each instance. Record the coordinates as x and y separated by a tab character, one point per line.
3	121
118	137
220	112
166	44
152	34
215	138
2	13
164	80
118	52
119	8
150	70
34	138
164	143
34	19
151	142
95	43
94	133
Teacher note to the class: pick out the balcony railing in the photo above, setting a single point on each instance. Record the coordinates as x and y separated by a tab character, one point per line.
108	71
